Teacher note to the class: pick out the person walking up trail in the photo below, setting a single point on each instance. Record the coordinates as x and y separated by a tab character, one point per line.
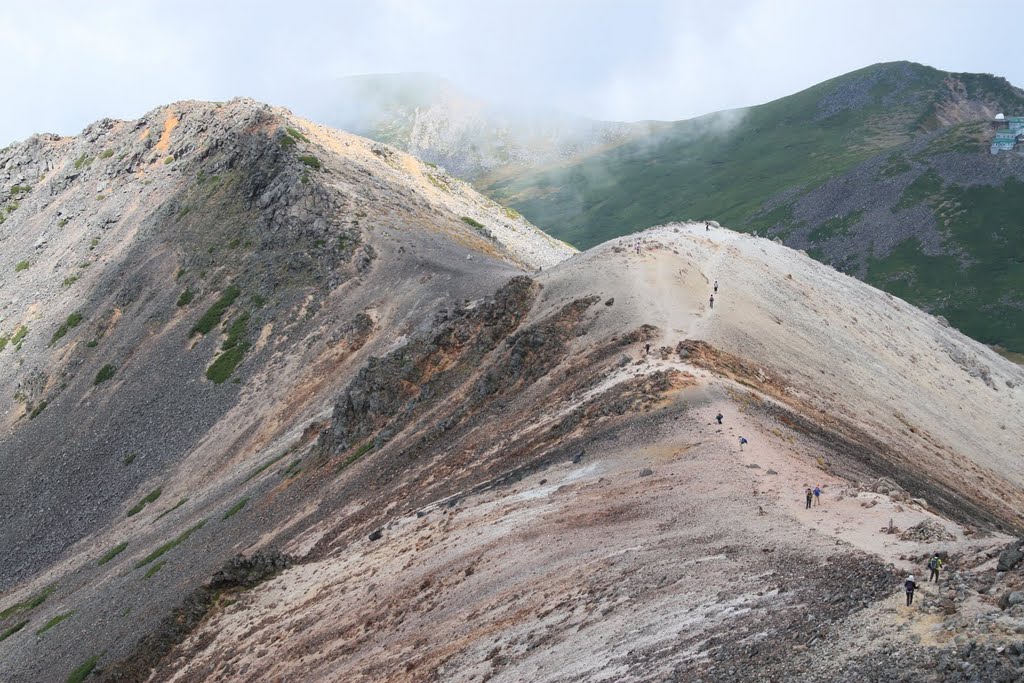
719	418
711	301
817	495
716	286
742	441
909	586
934	565
810	496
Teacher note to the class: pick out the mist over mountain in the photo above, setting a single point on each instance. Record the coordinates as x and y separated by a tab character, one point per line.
431	118
884	173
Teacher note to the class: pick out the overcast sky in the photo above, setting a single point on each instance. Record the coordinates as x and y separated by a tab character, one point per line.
69	63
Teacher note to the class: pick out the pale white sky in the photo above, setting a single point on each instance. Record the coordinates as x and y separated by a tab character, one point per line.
70	63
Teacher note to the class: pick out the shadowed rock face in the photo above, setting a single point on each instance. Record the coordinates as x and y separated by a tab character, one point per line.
311	424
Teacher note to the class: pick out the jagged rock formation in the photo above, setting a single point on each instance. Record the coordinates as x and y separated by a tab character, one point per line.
438	463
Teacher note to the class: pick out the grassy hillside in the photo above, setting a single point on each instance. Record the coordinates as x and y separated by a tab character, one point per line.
884	172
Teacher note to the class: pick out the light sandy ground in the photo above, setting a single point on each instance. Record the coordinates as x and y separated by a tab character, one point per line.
567	574
527	244
592	572
848	351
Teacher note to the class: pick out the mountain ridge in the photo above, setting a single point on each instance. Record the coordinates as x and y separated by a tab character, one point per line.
272	407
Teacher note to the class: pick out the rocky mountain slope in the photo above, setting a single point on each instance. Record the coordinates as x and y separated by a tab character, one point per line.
431	118
274	410
884	172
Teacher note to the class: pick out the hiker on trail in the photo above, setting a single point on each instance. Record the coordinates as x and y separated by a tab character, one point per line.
742	441
712	301
810	496
716	286
910	585
707	226
647	348
817	495
719	418
934	564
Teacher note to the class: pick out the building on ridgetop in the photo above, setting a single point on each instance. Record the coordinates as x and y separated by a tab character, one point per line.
1010	128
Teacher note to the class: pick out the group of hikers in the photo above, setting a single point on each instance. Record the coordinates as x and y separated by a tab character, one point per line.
718	419
909	586
712	300
813	494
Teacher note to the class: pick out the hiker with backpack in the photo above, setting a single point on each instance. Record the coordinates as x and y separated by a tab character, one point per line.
810	496
909	586
711	301
742	441
719	418
934	565
817	495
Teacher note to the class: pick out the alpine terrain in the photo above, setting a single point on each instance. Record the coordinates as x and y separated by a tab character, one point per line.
884	173
283	403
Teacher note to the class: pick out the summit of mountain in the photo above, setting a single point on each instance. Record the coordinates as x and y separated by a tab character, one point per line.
884	172
283	403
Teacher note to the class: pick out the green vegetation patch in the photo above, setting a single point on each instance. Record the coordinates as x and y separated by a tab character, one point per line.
169	511
54	621
73	321
149	498
83	670
311	161
20	266
262	468
112	553
170	545
964	138
69	280
297	134
154	569
105	373
83	161
12	630
28	604
20	189
186	298
293	470
234	509
895	165
169	160
39	407
4	339
231	352
19	336
472	223
359	452
835	227
924	188
106	154
213	314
